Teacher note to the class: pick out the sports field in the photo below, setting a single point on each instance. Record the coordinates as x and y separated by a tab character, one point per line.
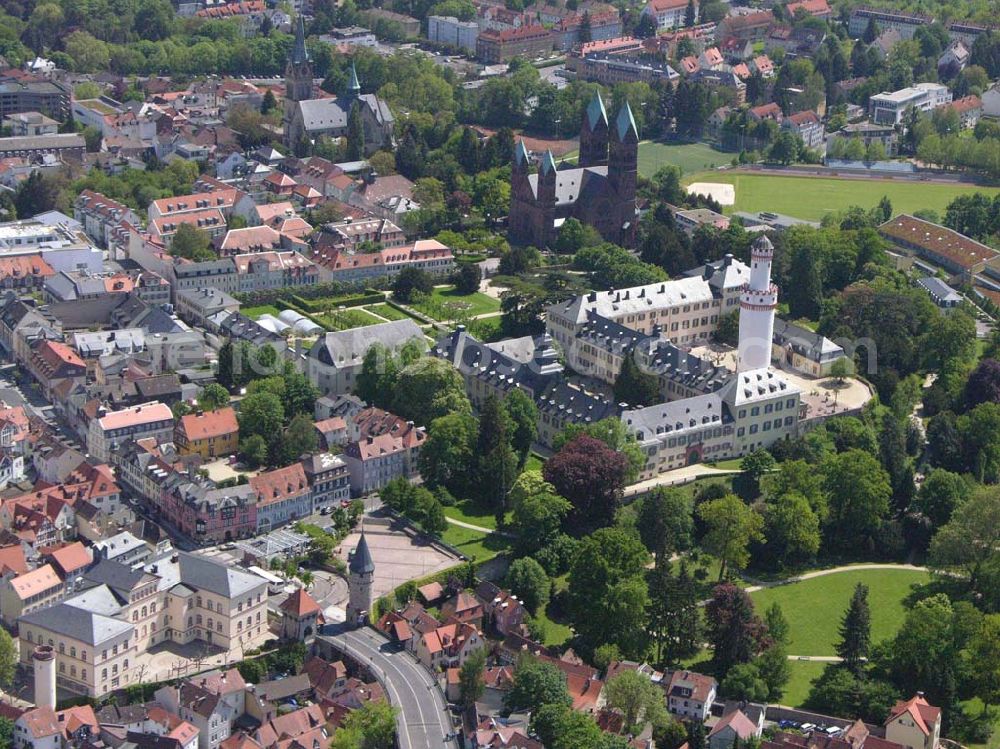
690	157
810	198
815	607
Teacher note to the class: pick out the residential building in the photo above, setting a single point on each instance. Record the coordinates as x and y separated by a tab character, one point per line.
208	434
668	14
868	132
734	728
208	514
905	23
197	306
49	97
102	217
274	270
954	59
610	69
329	480
502	611
494	47
969	109
153	419
914	723
347	266
807	126
374	462
448	646
451	32
70	147
28	592
890	108
30	124
351	233
283	496
52	362
335	359
690	695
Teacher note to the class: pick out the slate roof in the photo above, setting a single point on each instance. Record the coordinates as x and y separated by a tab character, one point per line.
204	574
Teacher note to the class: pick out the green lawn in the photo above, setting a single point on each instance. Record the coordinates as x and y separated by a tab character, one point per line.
474	544
264	309
347	318
534	462
690	157
469	511
445	303
815	607
803	674
386	311
811	198
556	633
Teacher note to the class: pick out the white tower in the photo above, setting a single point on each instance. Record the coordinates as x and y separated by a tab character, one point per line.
757	302
360	578
44	660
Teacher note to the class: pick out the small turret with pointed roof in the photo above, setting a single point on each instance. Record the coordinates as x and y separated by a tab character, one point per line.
594	134
353	85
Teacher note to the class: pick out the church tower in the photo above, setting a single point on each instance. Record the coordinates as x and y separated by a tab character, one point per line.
594	134
298	85
360	579
546	200
757	303
623	154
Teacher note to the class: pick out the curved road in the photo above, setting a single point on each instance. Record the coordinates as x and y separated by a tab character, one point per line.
423	720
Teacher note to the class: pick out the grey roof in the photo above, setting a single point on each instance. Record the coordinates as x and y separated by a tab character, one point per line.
806	342
571	184
361	560
347	348
942	292
42	142
205	574
78	623
676	416
727	273
117	576
100	600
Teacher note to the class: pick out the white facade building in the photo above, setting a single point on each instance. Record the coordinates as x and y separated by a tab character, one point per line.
890	108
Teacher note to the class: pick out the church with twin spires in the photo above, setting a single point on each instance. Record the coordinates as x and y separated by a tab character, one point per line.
307	118
600	192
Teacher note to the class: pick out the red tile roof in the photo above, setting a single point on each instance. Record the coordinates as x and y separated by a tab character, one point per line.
300	604
280	484
209	425
922	712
